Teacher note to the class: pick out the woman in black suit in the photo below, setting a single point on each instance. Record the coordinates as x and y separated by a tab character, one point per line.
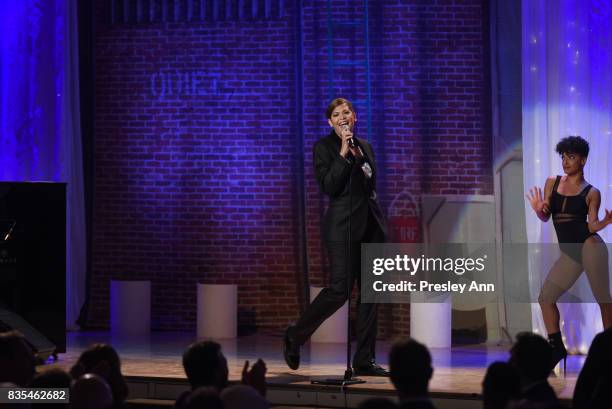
346	172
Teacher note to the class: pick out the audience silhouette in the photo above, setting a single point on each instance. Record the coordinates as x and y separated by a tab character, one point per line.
243	397
593	387
411	370
531	355
500	385
96	381
206	366
103	360
204	397
91	391
17	361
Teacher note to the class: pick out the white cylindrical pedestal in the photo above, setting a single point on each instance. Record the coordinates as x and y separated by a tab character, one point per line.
130	307
430	323
217	311
334	328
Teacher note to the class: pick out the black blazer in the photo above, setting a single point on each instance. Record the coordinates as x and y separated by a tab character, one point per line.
333	172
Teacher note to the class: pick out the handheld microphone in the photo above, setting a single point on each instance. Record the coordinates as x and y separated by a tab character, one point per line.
8	235
350	141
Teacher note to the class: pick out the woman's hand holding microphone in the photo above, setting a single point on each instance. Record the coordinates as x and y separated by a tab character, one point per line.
348	143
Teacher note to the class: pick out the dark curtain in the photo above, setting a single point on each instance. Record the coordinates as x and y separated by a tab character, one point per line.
86	26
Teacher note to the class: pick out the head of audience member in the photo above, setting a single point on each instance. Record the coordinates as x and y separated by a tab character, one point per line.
51	378
500	385
204	397
411	370
243	397
91	391
531	355
596	373
17	360
205	365
103	360
600	355
377	403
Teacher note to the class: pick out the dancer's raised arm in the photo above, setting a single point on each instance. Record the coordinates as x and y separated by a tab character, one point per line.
540	201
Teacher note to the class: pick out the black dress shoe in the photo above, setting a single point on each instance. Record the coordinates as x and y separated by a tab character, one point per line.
370	369
291	351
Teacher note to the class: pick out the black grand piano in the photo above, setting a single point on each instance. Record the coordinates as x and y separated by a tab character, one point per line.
33	263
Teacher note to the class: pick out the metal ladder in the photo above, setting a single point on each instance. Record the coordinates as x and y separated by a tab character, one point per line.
364	64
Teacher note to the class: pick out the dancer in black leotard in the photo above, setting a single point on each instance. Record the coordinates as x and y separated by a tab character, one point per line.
574	206
569	214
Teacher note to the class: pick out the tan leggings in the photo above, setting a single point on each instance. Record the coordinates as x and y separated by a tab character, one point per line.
564	274
566	271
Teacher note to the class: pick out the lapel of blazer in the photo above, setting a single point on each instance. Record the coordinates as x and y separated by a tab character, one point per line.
370	156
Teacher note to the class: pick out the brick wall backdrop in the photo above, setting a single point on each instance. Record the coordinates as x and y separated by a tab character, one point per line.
196	156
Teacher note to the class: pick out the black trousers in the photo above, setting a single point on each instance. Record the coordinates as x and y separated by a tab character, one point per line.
344	266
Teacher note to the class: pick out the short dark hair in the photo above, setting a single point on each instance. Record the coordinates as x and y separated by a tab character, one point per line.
531	355
573	144
9	342
500	385
99	354
17	360
336	103
96	354
203	362
410	367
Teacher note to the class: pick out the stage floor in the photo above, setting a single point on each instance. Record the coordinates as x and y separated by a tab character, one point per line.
154	370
